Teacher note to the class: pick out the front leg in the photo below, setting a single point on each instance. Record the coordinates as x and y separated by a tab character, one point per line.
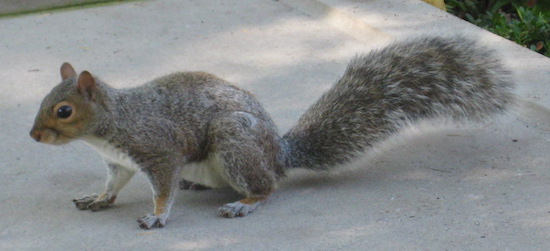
117	178
164	182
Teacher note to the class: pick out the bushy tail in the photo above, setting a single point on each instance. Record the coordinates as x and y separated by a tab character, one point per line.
388	88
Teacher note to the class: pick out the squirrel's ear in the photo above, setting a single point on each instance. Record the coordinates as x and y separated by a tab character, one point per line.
86	85
67	71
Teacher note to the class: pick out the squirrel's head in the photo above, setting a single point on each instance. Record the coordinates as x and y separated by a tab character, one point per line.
68	111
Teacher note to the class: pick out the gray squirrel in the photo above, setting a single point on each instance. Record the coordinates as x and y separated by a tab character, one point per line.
199	128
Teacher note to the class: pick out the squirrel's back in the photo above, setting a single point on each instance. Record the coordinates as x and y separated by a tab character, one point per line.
404	82
193	97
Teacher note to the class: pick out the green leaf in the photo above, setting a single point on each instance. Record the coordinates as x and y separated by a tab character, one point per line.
470	18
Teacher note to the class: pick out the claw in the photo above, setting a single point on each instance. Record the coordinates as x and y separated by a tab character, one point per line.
152	221
93	203
240	209
85	201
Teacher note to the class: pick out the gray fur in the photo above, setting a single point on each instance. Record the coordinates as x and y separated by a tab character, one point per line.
197	120
388	88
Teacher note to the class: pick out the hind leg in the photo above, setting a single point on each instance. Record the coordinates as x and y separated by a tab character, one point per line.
246	149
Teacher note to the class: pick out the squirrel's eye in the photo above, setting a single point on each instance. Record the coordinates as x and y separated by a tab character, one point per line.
64	111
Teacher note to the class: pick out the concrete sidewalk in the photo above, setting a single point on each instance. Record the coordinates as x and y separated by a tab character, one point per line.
480	188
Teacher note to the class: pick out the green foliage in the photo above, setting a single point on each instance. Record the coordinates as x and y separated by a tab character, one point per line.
514	20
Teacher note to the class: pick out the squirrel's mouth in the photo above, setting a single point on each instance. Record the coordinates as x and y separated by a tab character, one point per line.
49	136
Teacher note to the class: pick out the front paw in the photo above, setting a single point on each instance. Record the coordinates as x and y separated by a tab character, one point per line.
93	202
152	220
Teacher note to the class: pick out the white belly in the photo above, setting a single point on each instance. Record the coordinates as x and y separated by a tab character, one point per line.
209	172
111	154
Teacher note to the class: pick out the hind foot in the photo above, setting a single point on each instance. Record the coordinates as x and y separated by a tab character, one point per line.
241	208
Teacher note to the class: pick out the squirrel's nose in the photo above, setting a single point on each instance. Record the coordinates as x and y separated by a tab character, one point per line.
36	135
